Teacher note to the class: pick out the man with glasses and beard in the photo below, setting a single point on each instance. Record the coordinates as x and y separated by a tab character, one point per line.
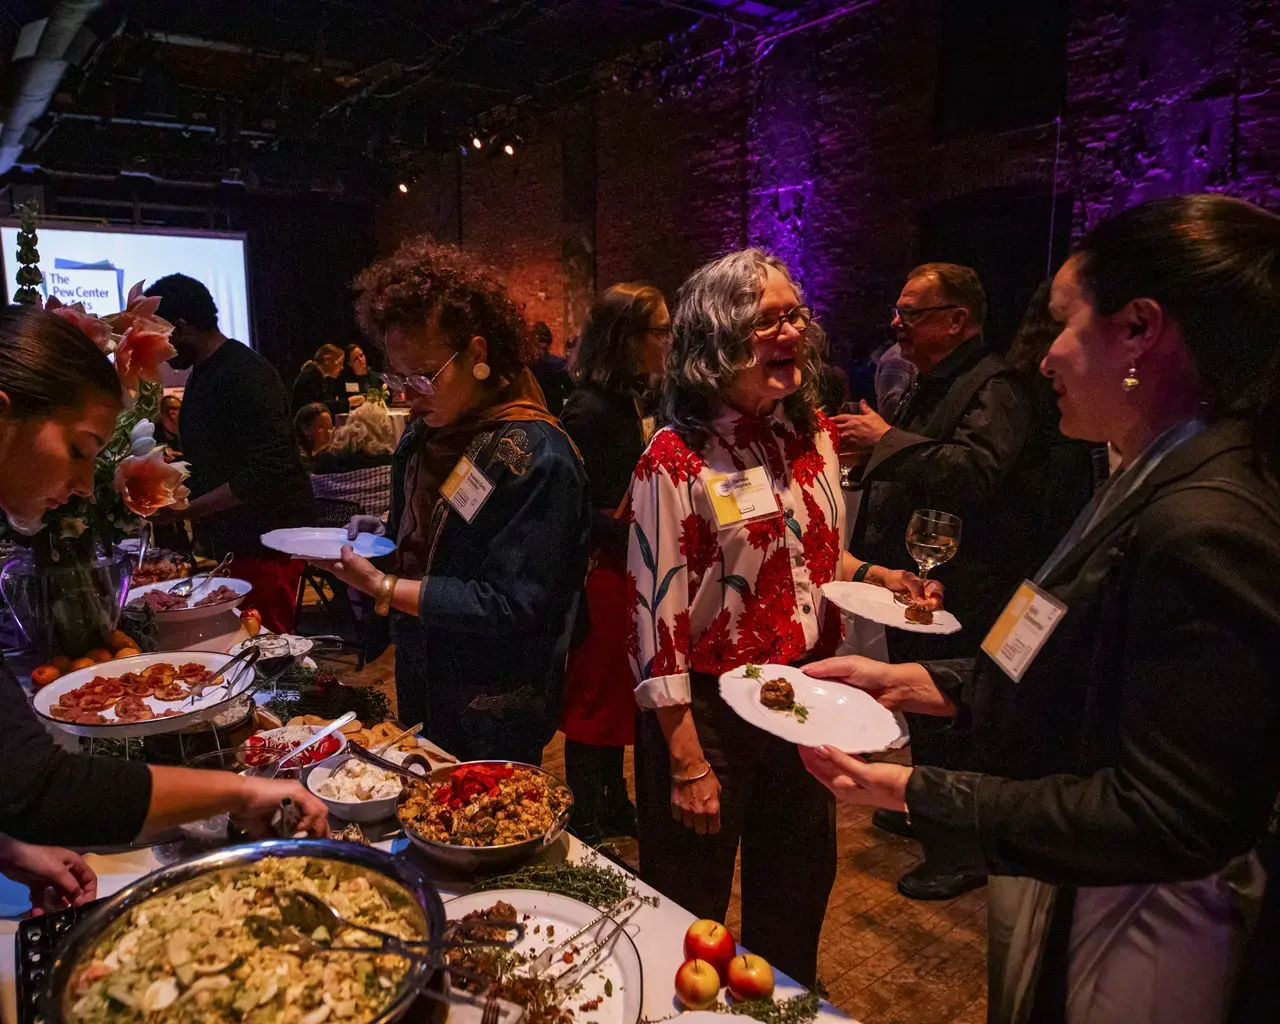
958	442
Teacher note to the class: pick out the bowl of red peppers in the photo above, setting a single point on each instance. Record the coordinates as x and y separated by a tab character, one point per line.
484	816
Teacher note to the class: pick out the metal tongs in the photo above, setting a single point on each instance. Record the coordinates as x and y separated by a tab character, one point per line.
304	914
185	588
246	659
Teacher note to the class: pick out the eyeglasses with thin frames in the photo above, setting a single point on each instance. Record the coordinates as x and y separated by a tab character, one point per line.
799	317
419	383
907	313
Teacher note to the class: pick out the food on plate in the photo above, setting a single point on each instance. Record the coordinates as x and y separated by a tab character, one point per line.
356	781
370	737
697	985
750	977
186	956
712	942
485	805
160	566
777	694
159	601
251	620
918	614
219	595
353	833
125	695
543	1003
44	675
264	747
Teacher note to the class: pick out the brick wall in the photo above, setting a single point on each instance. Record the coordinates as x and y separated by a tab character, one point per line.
822	148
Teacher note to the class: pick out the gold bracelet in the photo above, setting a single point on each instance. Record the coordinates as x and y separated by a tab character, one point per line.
386	591
686	779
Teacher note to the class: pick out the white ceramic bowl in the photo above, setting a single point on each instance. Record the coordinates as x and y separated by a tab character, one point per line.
298	763
350	810
241	587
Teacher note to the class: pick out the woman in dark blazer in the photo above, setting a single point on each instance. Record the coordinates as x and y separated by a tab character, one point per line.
487	575
620	352
1128	771
317	381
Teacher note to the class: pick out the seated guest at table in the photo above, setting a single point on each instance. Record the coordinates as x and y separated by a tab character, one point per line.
313	427
711	589
357	465
317	381
167	425
247	476
356	379
59	398
485	588
622	346
1127	767
552	372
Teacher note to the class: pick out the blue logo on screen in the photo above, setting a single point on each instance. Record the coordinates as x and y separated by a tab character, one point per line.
71	289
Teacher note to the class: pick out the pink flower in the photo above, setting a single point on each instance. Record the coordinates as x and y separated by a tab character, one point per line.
148	483
139	309
99	331
141	351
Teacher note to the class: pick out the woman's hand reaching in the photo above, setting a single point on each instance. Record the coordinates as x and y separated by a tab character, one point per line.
56	878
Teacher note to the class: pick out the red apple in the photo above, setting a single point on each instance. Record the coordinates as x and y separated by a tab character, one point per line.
750	977
697	985
710	941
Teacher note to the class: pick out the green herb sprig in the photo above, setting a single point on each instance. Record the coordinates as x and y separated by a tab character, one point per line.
753	672
800	711
591	882
799	1009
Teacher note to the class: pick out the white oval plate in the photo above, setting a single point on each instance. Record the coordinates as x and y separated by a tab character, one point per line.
620	964
205	707
878	605
325	543
277	645
241	587
840	716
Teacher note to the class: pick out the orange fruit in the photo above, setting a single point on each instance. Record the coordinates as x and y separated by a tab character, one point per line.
120	640
61	662
44	675
80	663
99	654
127	652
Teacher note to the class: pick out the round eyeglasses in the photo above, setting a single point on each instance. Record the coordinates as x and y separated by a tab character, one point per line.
799	317
415	381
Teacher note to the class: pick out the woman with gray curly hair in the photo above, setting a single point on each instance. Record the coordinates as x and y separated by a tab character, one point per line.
739	520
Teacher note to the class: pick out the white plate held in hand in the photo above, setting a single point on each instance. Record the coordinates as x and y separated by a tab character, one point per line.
325	543
839	716
879	605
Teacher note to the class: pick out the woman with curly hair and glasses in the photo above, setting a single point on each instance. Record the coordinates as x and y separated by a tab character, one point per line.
716	584
489	511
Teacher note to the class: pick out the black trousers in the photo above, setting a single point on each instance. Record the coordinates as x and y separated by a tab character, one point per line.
783	819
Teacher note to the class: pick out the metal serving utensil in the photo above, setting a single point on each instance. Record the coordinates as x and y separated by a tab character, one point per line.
566	980
245	659
272	768
551	953
185	588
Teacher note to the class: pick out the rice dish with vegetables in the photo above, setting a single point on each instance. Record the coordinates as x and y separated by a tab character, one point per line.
187	957
485	805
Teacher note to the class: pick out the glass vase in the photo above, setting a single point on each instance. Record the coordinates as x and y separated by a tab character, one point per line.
67	609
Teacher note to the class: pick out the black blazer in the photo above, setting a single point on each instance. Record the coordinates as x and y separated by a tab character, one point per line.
1143	744
607	430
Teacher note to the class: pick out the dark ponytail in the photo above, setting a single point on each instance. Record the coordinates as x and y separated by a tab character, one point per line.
48	364
1213	263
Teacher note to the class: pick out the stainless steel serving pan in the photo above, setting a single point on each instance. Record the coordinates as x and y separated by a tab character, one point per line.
400	874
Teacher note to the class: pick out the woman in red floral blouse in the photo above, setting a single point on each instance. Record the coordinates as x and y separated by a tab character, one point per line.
738	522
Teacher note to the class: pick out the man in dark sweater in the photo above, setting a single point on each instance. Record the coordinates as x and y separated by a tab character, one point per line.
247	475
959	442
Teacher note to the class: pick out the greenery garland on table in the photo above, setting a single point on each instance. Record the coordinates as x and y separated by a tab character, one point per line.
306	691
591	882
799	1009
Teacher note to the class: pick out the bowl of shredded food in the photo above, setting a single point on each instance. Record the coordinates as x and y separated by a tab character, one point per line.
195	943
485	815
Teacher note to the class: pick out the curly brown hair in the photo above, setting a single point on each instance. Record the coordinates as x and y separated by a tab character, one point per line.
424	279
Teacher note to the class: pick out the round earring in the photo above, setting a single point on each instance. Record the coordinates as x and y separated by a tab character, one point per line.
1131	381
480	371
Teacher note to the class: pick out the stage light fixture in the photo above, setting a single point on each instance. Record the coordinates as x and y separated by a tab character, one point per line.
477	142
404	189
509	149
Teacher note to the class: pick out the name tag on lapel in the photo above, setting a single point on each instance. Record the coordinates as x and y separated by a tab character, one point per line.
737	497
1024	627
466	489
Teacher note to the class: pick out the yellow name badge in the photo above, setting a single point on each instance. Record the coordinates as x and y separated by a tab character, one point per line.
466	488
737	497
1027	621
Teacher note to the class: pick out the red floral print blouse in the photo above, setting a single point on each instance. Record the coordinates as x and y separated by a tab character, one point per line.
708	599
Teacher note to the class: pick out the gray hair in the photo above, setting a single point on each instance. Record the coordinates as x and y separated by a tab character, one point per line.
368	431
715	316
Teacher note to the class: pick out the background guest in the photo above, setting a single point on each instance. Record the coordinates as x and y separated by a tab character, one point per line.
356	466
247	476
620	352
167	425
741	393
958	443
356	379
313	427
317	381
895	376
1128	769
485	597
833	382
552	372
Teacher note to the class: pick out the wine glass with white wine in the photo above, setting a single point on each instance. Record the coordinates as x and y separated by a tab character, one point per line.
933	538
